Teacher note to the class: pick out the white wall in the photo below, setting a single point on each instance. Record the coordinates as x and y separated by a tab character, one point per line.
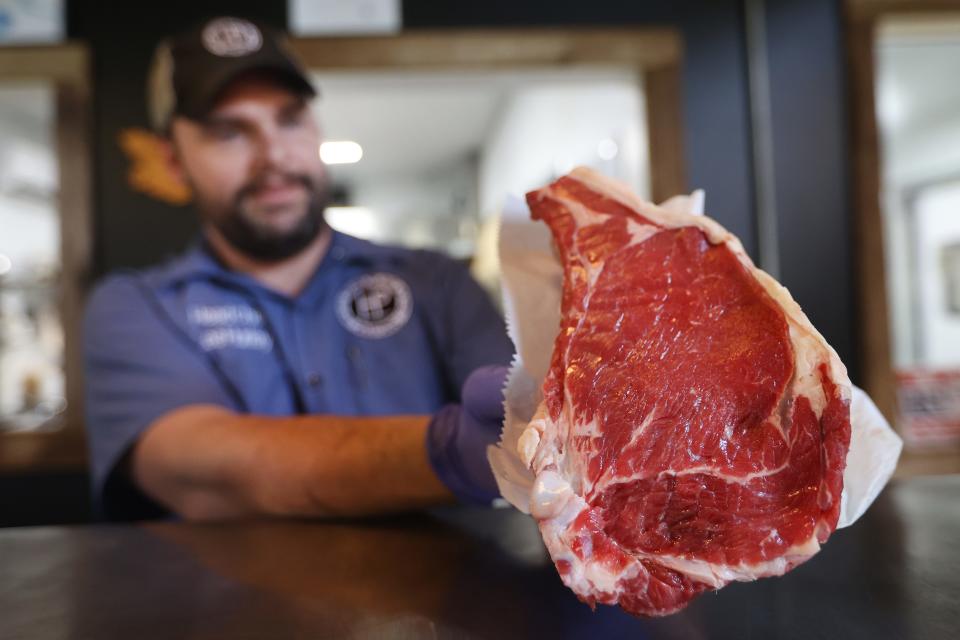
435	208
938	225
547	129
897	253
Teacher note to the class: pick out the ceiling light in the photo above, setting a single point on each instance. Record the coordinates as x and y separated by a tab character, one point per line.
340	152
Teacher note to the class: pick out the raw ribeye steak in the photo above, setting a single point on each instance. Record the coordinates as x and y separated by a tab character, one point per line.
694	426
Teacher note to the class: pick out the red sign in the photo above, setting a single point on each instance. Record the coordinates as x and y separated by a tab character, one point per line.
929	407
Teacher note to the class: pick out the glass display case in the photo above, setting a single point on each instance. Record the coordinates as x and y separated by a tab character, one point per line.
32	394
45	243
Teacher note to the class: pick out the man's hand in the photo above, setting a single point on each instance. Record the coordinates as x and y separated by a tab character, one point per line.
458	437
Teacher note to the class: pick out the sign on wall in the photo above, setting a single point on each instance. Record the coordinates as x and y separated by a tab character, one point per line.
929	402
343	17
31	21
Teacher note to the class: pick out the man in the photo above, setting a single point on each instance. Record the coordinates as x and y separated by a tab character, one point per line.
278	367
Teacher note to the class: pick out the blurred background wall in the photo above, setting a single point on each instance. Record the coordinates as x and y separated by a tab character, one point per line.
808	110
805	137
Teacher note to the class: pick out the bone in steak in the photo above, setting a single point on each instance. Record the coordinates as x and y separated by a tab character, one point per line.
695	425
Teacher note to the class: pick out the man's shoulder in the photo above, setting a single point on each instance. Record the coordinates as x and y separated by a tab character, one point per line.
119	289
119	304
420	266
129	291
393	252
133	286
431	261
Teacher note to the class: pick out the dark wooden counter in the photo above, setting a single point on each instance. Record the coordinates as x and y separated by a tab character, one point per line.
457	573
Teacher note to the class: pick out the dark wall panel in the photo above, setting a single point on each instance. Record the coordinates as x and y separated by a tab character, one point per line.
44	498
805	55
811	165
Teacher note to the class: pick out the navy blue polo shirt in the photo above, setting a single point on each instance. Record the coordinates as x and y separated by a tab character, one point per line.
376	331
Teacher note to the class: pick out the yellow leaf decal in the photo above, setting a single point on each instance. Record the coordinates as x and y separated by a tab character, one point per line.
148	172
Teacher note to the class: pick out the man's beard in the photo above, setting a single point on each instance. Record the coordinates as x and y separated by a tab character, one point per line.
261	242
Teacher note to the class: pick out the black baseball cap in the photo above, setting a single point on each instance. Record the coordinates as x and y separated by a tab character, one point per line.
191	69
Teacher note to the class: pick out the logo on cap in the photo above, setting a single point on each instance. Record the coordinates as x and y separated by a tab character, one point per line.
231	37
375	306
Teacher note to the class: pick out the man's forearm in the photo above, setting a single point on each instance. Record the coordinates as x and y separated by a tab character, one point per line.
205	462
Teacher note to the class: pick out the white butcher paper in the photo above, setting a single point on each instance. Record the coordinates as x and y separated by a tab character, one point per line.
532	284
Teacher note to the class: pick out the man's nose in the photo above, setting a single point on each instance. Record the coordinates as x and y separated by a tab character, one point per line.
273	152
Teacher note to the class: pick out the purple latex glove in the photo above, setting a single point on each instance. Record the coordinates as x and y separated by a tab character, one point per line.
459	434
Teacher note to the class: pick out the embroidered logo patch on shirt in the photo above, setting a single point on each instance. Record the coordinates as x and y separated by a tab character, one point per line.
375	306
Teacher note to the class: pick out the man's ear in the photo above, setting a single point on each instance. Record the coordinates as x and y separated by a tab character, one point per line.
171	159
